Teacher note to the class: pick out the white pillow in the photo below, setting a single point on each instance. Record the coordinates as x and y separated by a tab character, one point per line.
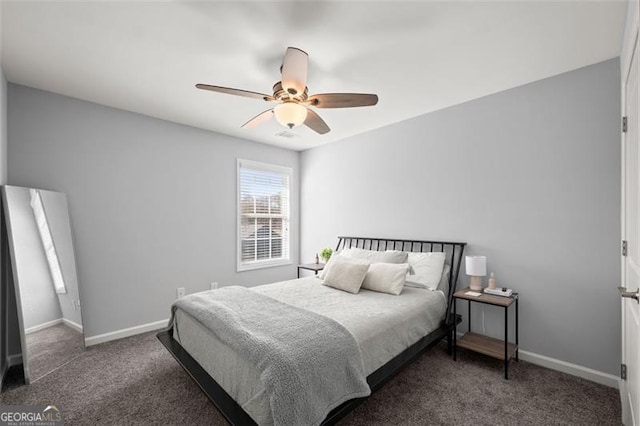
419	281
444	281
426	268
374	256
340	257
346	276
386	277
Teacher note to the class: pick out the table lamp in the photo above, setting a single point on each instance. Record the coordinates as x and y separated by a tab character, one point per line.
476	267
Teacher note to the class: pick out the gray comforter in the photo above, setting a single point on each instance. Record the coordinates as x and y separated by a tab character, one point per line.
308	363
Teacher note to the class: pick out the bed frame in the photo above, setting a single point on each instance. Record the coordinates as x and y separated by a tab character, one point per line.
237	416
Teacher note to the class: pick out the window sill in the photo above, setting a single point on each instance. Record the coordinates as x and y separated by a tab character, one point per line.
263	265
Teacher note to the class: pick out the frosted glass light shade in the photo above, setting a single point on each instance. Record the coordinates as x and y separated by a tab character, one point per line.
290	114
476	266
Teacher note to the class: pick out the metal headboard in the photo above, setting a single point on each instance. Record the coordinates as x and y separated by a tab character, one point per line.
454	254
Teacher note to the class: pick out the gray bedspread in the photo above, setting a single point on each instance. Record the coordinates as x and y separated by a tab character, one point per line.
308	363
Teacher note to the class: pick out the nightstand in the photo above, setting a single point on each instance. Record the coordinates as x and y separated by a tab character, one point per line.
311	267
496	348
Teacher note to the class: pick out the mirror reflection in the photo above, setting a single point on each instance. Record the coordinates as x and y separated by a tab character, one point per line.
44	273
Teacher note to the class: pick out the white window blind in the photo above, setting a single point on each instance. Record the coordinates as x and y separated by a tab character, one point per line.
263	214
47	241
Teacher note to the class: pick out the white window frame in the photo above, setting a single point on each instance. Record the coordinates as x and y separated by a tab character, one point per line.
48	245
268	263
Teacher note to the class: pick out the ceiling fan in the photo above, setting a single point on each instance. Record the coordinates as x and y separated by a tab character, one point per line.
292	96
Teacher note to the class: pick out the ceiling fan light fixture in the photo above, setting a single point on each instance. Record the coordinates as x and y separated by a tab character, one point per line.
292	96
290	114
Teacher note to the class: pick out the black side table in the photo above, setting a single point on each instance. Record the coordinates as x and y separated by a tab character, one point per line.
496	348
311	267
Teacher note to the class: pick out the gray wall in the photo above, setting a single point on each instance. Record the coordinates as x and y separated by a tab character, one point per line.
152	203
37	294
529	177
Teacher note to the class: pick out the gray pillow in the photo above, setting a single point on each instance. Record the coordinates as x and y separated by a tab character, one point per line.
375	256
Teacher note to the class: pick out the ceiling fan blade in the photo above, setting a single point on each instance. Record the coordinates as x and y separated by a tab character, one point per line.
315	123
342	100
237	92
294	71
259	119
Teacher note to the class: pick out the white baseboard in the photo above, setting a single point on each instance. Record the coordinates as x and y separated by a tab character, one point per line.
567	367
125	332
74	325
573	369
43	326
15	359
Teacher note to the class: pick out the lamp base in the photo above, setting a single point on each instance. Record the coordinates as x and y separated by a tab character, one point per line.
475	283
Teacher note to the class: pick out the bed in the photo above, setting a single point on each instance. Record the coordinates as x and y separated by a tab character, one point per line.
387	341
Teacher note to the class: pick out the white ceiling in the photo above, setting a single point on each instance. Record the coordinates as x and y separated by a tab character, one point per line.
147	56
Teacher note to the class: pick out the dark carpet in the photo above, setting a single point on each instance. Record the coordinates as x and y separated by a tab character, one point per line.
52	347
136	381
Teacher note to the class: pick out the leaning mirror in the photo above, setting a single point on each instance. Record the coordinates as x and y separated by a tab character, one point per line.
45	277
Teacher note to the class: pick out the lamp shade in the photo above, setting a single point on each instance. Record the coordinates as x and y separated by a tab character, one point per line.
476	266
290	114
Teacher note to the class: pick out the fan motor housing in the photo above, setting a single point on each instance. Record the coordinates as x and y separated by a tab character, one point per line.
282	95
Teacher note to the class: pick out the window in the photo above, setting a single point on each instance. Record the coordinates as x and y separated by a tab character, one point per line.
47	241
263	215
